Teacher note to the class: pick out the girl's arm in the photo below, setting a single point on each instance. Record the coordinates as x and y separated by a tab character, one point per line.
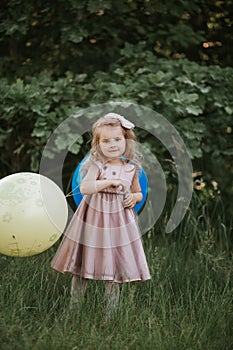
90	185
136	189
136	194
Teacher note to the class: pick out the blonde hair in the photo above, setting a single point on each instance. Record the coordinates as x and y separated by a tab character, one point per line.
131	154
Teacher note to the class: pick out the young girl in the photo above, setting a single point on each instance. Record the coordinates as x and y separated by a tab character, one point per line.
103	239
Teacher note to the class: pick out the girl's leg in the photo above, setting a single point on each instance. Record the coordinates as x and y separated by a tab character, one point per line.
78	289
112	293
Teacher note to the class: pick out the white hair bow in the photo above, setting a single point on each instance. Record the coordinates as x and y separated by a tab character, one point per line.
124	122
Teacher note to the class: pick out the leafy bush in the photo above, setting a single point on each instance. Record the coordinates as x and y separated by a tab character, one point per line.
87	35
196	100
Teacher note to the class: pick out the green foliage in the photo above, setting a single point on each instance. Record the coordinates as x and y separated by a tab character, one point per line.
54	65
88	35
30	111
196	100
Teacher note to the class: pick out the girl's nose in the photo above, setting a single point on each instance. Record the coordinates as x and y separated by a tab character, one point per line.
113	144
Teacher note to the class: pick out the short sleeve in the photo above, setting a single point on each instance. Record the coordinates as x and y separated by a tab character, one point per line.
86	165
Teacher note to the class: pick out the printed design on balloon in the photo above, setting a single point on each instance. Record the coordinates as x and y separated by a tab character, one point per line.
14	193
21	181
39	203
53	237
155	125
7	217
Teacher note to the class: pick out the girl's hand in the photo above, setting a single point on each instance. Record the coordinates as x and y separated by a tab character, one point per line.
118	183
129	201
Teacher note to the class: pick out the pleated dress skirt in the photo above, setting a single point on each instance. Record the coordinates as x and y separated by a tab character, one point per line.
103	242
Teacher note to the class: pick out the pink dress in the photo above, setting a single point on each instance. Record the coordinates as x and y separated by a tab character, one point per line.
103	239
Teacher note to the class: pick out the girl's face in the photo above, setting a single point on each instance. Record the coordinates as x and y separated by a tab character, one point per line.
112	141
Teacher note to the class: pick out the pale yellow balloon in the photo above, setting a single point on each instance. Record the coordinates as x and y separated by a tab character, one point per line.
33	214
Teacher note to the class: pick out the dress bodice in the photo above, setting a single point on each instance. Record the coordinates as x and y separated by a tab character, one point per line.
125	172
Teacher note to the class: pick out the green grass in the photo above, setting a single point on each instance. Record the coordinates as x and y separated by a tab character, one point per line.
187	304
